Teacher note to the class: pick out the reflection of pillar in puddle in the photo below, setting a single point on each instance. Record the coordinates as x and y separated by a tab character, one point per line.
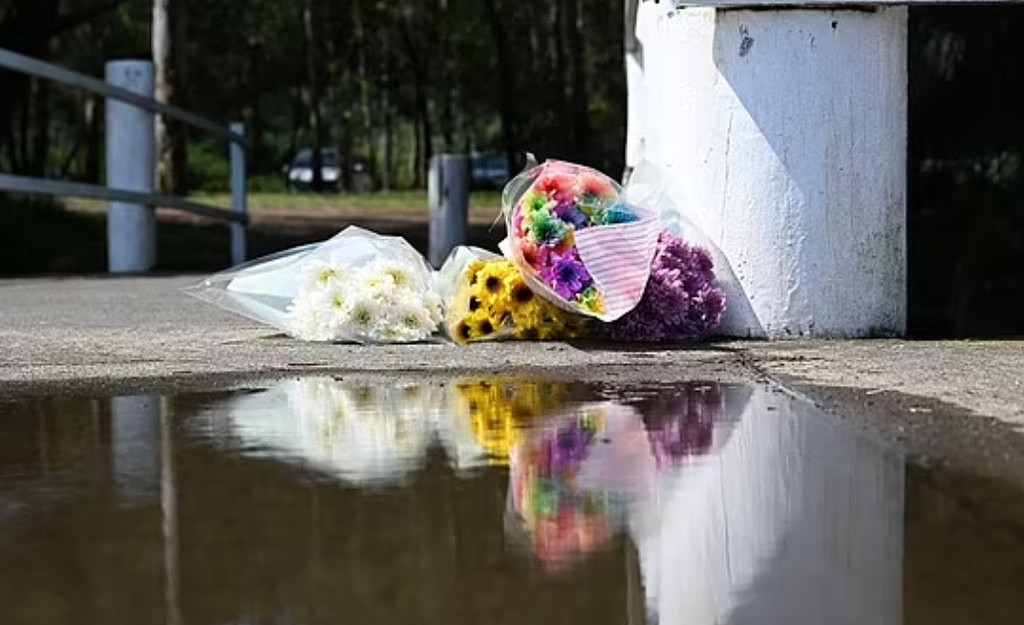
796	520
135	436
169	514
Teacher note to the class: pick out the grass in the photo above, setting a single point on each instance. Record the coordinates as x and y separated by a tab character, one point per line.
484	206
394	200
43	237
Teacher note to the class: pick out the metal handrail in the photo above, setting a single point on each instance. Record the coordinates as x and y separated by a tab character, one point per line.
235	135
41	69
42	186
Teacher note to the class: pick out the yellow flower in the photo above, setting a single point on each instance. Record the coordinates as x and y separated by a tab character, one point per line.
498	411
494	299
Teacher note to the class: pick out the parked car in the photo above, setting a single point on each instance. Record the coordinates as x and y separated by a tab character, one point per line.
488	170
299	174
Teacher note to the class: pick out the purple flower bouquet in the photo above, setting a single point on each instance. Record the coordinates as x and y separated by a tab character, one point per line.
681	301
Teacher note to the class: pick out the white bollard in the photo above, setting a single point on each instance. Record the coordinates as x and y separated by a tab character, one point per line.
788	128
448	195
131	152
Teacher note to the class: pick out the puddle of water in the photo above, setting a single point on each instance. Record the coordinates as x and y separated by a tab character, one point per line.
508	501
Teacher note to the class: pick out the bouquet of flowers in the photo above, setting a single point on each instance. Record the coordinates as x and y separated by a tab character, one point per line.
691	279
576	241
357	286
487	298
681	301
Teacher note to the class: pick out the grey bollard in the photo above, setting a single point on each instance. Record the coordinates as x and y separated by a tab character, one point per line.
131	165
448	195
239	195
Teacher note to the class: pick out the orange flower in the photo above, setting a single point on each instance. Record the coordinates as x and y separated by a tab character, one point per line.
594	183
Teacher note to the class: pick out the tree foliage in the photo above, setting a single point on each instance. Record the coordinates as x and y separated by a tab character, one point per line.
394	81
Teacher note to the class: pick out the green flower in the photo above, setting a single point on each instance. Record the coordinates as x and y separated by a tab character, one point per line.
548	229
590	299
536	202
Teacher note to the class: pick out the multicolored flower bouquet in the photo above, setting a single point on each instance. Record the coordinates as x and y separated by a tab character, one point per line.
487	299
561	522
358	286
576	241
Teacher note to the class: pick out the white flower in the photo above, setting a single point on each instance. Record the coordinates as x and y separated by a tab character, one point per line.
317	274
381	300
363	316
407	322
435	306
310	319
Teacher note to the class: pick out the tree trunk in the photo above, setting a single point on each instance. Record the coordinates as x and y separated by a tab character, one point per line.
366	132
168	39
506	83
417	152
389	135
424	140
579	101
93	147
313	91
41	127
26	27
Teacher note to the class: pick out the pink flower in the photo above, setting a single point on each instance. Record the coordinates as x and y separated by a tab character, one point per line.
556	186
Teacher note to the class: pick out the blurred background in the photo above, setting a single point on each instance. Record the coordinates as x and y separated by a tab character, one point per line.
372	90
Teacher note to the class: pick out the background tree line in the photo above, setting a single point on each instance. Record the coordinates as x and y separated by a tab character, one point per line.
392	81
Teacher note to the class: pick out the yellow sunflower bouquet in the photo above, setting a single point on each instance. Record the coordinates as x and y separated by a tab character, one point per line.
488	299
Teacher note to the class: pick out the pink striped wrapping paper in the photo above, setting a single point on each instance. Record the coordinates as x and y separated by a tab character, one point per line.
619	258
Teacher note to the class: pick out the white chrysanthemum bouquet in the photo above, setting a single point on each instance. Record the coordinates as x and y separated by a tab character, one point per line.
358	286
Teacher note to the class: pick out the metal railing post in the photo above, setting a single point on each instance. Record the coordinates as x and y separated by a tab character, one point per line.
131	165
239	195
448	195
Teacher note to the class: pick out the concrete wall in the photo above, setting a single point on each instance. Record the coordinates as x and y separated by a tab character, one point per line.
788	129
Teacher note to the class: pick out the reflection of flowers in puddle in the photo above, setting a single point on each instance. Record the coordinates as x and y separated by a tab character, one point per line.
681	422
572	480
498	411
360	433
560	519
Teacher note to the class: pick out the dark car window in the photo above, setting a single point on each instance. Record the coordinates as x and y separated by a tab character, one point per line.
328	158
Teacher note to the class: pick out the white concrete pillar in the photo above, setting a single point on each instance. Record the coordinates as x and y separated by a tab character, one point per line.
788	128
448	195
131	152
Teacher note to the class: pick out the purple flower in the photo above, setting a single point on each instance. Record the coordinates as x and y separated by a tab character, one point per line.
681	423
569	212
681	300
567	275
569	446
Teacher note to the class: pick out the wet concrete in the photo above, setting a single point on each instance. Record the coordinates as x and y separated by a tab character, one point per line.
459	500
311	499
